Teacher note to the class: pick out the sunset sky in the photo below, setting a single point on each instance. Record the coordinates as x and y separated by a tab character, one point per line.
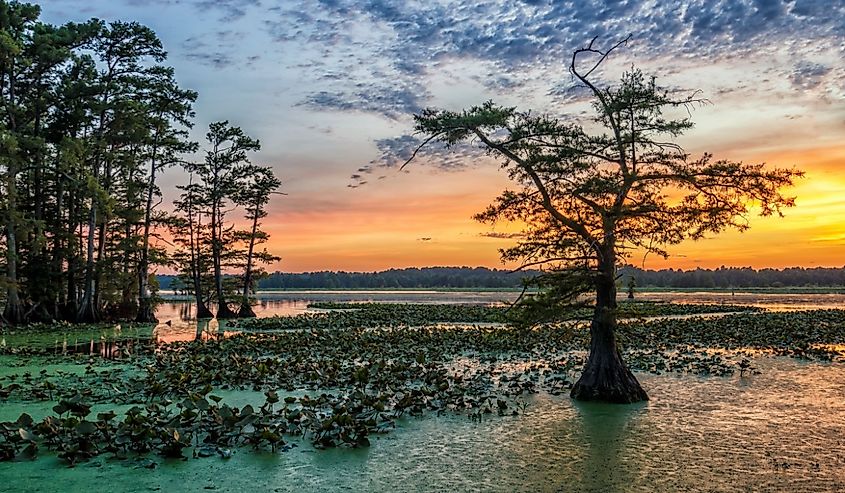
329	87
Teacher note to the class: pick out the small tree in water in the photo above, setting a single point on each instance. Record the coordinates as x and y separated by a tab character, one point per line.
632	283
588	198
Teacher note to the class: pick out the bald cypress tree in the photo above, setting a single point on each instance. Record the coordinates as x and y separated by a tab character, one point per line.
219	177
254	195
87	119
589	197
169	110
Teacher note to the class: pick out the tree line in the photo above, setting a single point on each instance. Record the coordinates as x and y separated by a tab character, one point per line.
482	277
91	117
409	278
735	277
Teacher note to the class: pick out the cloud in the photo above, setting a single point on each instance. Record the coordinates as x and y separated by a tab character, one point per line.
396	151
808	75
217	49
232	9
414	39
390	101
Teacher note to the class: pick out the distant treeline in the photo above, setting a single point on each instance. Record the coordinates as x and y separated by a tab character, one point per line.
427	277
482	277
735	277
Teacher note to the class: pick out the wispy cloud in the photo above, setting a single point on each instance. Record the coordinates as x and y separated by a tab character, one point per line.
395	151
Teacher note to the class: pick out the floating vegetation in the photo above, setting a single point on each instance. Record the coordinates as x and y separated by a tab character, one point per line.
337	378
811	334
343	315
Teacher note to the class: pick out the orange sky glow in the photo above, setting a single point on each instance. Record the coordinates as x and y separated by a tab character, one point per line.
422	218
329	87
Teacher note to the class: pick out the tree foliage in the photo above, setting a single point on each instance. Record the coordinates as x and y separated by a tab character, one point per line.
89	118
590	193
211	244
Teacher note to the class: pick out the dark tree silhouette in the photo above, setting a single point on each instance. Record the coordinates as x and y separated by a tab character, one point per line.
170	112
588	198
220	177
89	117
254	195
191	235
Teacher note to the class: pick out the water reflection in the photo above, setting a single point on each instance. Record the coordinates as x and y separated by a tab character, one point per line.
190	329
606	431
186	310
104	348
178	317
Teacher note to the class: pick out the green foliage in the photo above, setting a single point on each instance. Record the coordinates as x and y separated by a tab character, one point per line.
89	116
210	244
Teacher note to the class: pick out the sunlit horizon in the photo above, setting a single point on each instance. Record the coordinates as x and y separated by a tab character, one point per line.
328	88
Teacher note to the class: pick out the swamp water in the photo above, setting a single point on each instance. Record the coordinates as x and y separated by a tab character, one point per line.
781	430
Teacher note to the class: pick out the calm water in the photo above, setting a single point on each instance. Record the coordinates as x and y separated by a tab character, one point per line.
782	431
183	326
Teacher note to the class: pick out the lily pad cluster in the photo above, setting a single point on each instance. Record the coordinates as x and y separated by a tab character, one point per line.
102	383
811	334
343	315
339	382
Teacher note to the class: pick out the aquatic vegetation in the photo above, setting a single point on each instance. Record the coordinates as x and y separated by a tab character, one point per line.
811	334
337	378
340	315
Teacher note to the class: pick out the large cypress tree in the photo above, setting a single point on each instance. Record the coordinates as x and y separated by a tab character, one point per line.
588	197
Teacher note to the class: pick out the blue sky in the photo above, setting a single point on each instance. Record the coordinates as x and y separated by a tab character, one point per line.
329	86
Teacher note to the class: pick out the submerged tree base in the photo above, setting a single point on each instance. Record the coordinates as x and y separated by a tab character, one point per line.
203	311
246	311
608	383
225	313
146	312
13	314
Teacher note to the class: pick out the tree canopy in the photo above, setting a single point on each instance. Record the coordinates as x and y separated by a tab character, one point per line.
590	192
89	118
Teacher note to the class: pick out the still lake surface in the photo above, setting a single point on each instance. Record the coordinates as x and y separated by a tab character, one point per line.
183	325
782	430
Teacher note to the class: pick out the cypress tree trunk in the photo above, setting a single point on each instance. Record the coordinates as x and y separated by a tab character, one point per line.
223	310
146	313
245	310
87	311
13	313
202	310
71	246
606	377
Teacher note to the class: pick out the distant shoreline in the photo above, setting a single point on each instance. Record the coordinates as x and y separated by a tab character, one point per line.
168	295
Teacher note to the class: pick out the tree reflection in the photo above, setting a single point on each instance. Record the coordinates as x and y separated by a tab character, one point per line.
606	430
